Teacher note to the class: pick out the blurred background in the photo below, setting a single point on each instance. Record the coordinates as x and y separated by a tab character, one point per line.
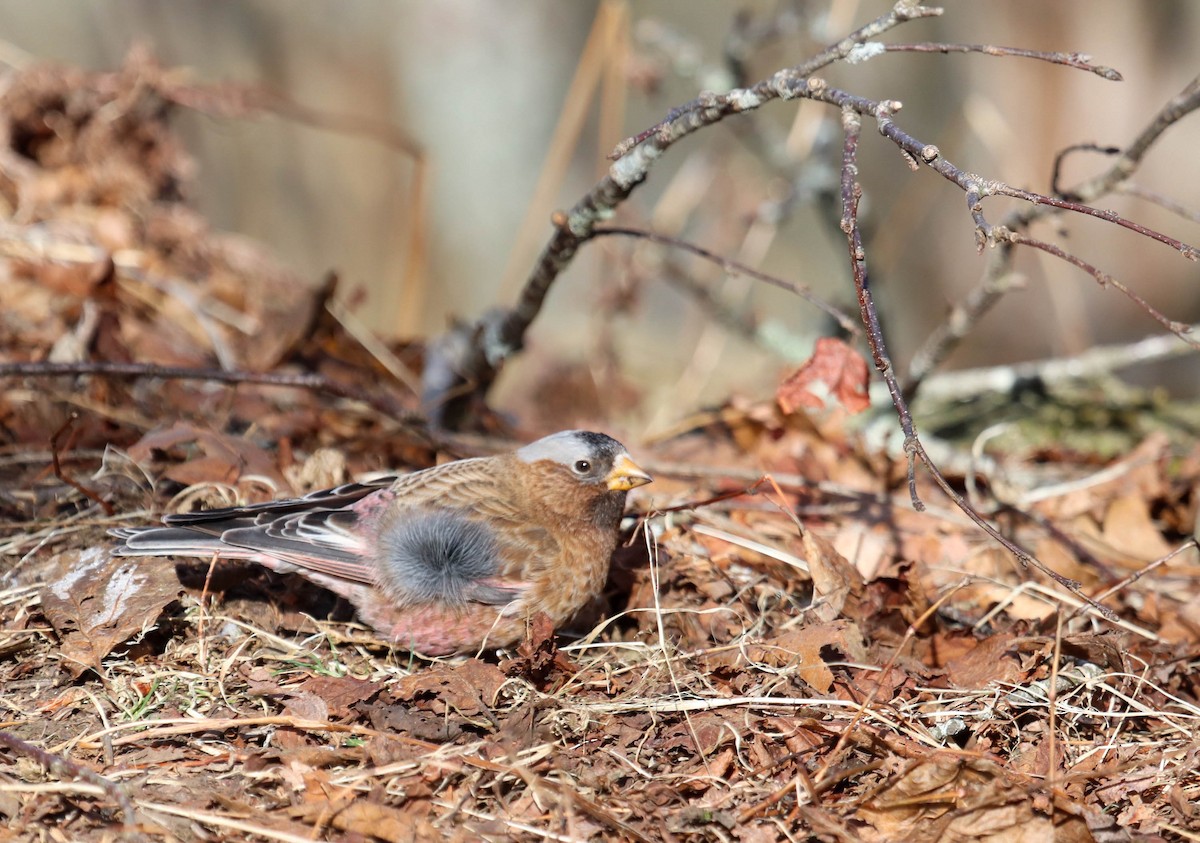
514	107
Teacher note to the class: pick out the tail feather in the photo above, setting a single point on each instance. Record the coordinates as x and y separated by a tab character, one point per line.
172	541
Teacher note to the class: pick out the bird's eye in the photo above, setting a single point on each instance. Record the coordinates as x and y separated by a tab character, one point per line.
582	467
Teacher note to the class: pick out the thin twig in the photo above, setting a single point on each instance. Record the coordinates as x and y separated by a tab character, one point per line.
1056	171
65	768
1079	61
62	475
710	108
996	280
851	192
1179	329
380	401
1139	573
1180	210
1035	199
1096	361
734	267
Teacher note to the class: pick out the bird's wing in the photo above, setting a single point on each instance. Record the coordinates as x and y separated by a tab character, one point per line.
219	520
291	531
349	519
417	554
480	486
283	543
340	532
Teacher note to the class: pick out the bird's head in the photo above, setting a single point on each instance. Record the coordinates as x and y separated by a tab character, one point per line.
581	469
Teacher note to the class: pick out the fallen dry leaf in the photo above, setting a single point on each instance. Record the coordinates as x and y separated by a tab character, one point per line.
98	601
801	649
837	585
960	799
1129	530
837	368
208	456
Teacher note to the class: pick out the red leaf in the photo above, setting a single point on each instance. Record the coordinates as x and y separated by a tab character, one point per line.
841	370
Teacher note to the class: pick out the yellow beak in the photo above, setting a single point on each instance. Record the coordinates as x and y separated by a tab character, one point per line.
626	475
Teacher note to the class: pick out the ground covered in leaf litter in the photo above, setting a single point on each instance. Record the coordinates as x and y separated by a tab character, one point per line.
812	659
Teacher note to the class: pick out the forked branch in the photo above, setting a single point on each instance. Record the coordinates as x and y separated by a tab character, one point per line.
463	366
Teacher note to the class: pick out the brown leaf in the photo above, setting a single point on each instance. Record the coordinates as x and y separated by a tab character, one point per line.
841	371
991	660
301	701
836	583
1106	649
75	279
538	657
1129	529
99	601
802	647
368	820
441	702
341	692
468	688
713	730
204	455
961	799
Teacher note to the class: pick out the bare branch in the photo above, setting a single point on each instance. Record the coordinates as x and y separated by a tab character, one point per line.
65	768
710	108
977	188
1056	172
997	276
307	380
1079	61
851	192
462	364
737	268
1155	198
1178	107
1000	189
1179	329
1096	362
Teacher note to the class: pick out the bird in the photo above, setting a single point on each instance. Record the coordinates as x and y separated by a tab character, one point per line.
443	561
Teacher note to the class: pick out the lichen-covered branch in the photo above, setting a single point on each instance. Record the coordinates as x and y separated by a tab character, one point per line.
462	364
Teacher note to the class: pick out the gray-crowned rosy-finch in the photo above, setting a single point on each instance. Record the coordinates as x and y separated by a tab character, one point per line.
443	560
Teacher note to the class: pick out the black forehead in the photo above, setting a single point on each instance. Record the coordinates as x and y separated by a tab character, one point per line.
600	446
